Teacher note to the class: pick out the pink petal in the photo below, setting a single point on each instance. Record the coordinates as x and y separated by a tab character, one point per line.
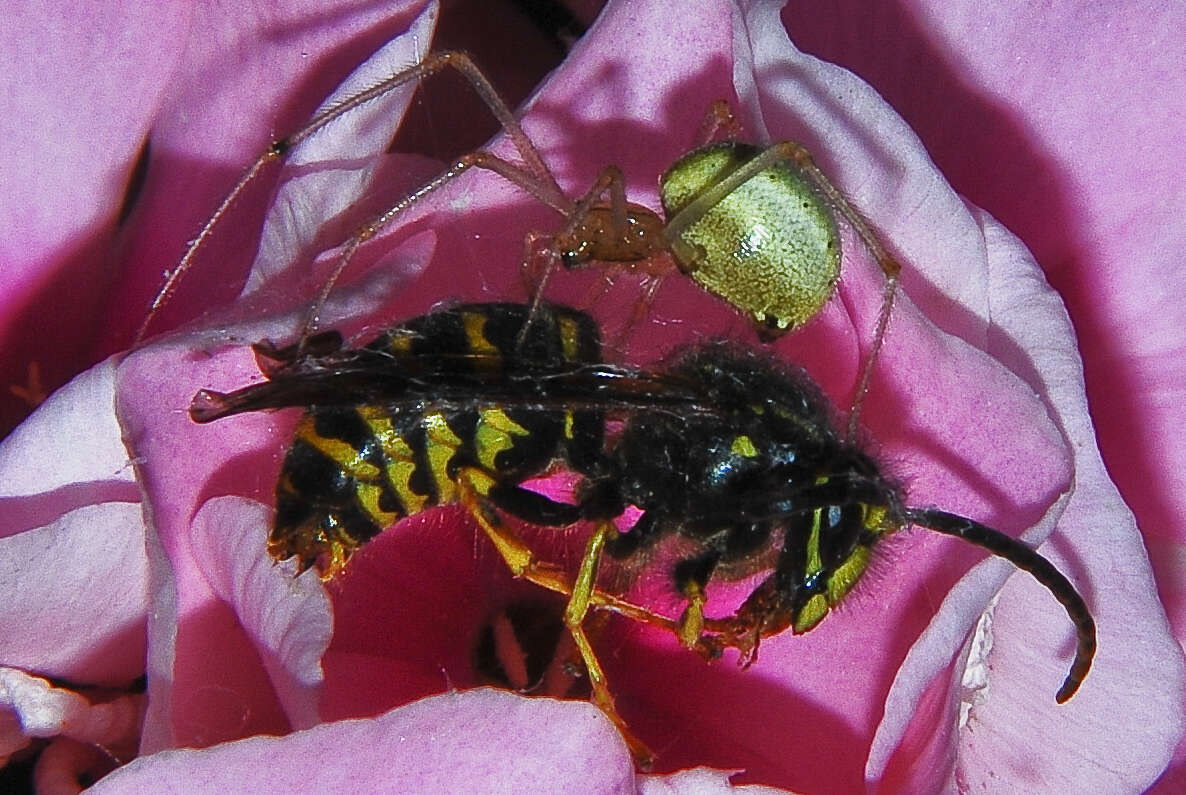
72	531
107	106
73	438
287	617
1080	748
81	91
1048	121
356	140
486	740
1141	666
290	56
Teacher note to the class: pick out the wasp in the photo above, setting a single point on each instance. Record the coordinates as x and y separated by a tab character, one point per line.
724	449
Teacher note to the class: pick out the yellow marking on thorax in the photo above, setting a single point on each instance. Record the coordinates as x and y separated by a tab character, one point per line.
569	337
401	463
474	325
400	341
744	447
493	434
441	445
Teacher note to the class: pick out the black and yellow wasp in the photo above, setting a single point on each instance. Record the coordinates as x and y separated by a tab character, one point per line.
734	453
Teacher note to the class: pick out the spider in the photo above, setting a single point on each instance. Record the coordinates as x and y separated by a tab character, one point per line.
755	225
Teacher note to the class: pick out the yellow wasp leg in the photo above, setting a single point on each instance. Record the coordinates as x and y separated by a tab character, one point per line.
574	618
523	563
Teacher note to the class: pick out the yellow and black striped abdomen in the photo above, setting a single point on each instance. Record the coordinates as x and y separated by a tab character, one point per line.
353	470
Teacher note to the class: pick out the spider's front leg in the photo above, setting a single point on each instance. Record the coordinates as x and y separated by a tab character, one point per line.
532	174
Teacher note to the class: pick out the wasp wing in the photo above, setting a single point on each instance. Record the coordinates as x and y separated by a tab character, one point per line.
366	377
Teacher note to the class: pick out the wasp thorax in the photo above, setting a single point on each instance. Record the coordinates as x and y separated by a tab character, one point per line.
769	246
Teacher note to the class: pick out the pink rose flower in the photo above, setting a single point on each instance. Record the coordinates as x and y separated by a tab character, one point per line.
977	405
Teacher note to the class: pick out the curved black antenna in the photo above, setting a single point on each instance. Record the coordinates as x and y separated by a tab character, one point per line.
1042	570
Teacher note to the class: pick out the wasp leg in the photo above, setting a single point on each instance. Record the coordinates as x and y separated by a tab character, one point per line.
522	562
574	619
691	577
517	555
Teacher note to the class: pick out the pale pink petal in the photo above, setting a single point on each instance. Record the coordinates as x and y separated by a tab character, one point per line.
75	596
901	207
699	781
45	711
484	740
98	116
287	617
1081	748
72	534
1050	124
324	191
1169	565
72	439
1119	736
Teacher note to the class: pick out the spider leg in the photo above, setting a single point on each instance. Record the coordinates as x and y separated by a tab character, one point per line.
533	176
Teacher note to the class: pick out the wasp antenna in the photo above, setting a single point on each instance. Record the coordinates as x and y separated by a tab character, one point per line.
1042	570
